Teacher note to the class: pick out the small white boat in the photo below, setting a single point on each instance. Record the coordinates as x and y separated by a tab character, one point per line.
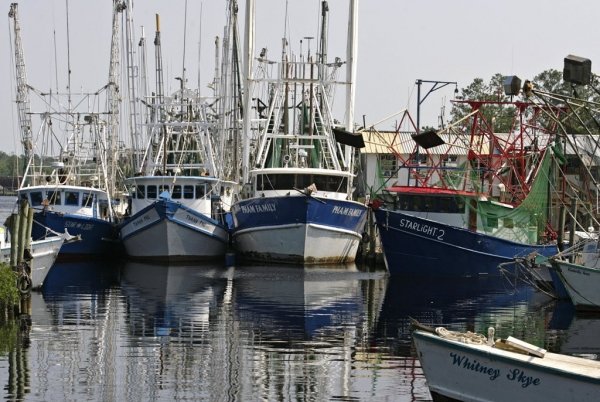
471	367
582	283
43	255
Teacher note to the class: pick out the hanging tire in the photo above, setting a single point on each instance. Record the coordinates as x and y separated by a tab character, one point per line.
24	284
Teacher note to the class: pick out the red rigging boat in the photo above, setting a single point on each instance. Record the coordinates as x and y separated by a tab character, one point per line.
467	198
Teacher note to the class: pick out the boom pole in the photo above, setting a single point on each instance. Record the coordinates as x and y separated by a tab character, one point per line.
23	103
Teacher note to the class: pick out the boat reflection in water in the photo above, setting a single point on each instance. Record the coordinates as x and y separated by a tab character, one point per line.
295	302
310	331
573	333
173	300
72	339
101	331
465	303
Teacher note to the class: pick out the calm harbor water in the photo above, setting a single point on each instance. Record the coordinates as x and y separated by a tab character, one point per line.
128	331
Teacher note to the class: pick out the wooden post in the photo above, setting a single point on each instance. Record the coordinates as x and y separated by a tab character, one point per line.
561	227
28	227
14	240
22	231
573	224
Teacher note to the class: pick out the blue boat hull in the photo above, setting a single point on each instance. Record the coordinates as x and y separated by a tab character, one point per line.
298	229
169	231
99	238
418	246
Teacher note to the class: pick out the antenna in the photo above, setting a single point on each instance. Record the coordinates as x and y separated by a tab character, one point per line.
200	47
184	38
68	57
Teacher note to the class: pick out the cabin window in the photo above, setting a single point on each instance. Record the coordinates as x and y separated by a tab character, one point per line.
388	164
573	165
200	191
176	192
36	198
87	199
54	197
72	198
449	160
508	223
334	184
162	188
151	192
291	181
140	192
430	203
188	192
492	222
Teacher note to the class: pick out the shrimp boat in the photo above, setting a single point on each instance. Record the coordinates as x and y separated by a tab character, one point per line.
297	205
177	201
70	178
469	200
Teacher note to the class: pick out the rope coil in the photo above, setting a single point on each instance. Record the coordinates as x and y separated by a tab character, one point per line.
463	337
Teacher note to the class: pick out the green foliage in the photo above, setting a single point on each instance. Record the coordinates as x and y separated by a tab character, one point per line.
8	164
9	294
552	92
493	91
8	336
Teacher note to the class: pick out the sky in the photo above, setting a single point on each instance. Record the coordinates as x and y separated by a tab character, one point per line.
399	42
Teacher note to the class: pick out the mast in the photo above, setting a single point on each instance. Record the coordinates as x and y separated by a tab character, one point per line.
113	101
159	68
132	75
159	101
248	67
143	95
23	103
351	52
230	109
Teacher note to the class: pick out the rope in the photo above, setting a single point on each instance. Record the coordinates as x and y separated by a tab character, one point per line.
463	337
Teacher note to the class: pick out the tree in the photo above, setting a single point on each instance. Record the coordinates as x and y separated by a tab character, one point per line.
549	90
489	97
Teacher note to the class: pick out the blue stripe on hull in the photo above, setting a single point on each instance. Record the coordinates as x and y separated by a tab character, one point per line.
98	237
157	232
417	246
283	229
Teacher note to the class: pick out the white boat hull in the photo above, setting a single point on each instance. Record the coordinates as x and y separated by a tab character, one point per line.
299	243
582	284
168	240
44	253
484	373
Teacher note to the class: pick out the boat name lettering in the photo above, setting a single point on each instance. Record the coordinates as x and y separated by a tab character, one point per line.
257	208
578	271
80	226
194	220
425	229
140	221
519	376
355	212
493	373
466	363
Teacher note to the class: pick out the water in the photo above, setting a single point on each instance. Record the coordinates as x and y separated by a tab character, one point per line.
129	331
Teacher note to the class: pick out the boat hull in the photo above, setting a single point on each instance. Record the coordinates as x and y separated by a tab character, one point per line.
581	283
482	373
298	229
168	231
418	246
98	237
44	254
